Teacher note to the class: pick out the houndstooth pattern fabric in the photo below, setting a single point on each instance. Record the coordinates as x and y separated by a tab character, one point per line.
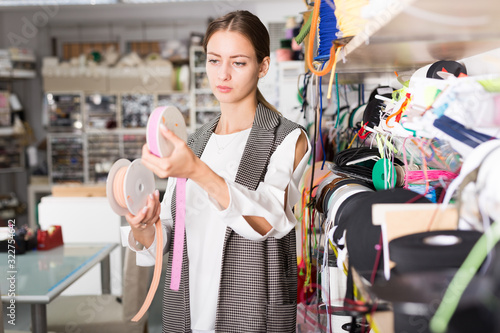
258	287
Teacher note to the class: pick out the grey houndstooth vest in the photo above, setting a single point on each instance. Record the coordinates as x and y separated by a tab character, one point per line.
258	286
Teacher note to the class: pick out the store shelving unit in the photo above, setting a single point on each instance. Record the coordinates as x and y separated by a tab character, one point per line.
11	152
204	105
102	150
66	158
88	132
101	111
409	34
12	144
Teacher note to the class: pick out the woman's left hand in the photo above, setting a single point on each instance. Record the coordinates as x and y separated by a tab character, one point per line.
181	163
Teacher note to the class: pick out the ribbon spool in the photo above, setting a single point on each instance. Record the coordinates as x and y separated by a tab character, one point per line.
384	174
333	187
447	66
128	186
342	194
173	119
387	175
356	116
354	216
433	250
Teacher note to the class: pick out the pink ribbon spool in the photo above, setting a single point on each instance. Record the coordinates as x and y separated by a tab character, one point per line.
173	119
170	117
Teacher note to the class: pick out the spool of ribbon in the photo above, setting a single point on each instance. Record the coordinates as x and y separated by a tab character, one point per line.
383	174
354	216
128	186
387	175
329	188
170	117
431	251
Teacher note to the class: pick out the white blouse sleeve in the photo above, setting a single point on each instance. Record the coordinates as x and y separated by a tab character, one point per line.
147	256
268	200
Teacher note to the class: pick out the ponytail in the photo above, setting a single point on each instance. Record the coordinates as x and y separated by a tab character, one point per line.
262	100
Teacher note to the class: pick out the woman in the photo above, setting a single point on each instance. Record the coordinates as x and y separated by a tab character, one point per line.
239	269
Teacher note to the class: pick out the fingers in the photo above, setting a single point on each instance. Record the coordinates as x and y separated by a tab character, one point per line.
170	135
158	170
135	221
148	157
147	216
152	162
175	164
151	210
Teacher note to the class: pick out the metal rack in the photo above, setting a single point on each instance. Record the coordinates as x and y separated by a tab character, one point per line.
204	105
102	128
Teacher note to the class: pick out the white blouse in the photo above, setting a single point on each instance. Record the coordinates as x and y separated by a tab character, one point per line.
206	221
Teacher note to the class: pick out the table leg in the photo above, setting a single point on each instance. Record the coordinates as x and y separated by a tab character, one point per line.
106	276
39	318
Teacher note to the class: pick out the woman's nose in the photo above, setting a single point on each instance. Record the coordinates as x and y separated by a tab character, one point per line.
224	73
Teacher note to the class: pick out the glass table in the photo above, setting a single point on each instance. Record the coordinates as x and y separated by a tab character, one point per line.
37	277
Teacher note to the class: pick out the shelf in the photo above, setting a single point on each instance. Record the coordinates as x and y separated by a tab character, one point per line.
23	74
19	75
199	70
12	170
203	91
6	131
414	33
207	109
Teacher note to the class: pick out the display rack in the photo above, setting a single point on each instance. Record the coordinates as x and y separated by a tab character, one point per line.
102	150
64	111
11	143
66	157
85	139
17	63
409	34
101	111
11	152
204	105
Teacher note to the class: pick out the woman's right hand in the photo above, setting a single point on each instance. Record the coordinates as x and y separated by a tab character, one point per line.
143	223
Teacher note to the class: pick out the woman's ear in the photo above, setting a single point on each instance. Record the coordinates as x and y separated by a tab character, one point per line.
264	67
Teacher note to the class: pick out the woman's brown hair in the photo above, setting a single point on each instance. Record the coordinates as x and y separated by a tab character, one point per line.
251	27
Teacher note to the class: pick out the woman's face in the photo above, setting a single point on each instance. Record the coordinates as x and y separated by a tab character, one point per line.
232	67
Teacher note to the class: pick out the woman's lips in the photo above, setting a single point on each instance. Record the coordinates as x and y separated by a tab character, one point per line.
224	89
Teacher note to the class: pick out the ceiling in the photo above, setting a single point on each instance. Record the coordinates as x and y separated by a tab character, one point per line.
27	3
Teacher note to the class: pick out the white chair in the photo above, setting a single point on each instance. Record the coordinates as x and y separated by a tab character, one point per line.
104	313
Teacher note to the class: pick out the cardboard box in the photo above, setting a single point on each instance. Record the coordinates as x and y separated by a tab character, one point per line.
73	78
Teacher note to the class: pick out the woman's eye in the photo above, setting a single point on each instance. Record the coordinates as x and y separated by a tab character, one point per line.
239	64
213	61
